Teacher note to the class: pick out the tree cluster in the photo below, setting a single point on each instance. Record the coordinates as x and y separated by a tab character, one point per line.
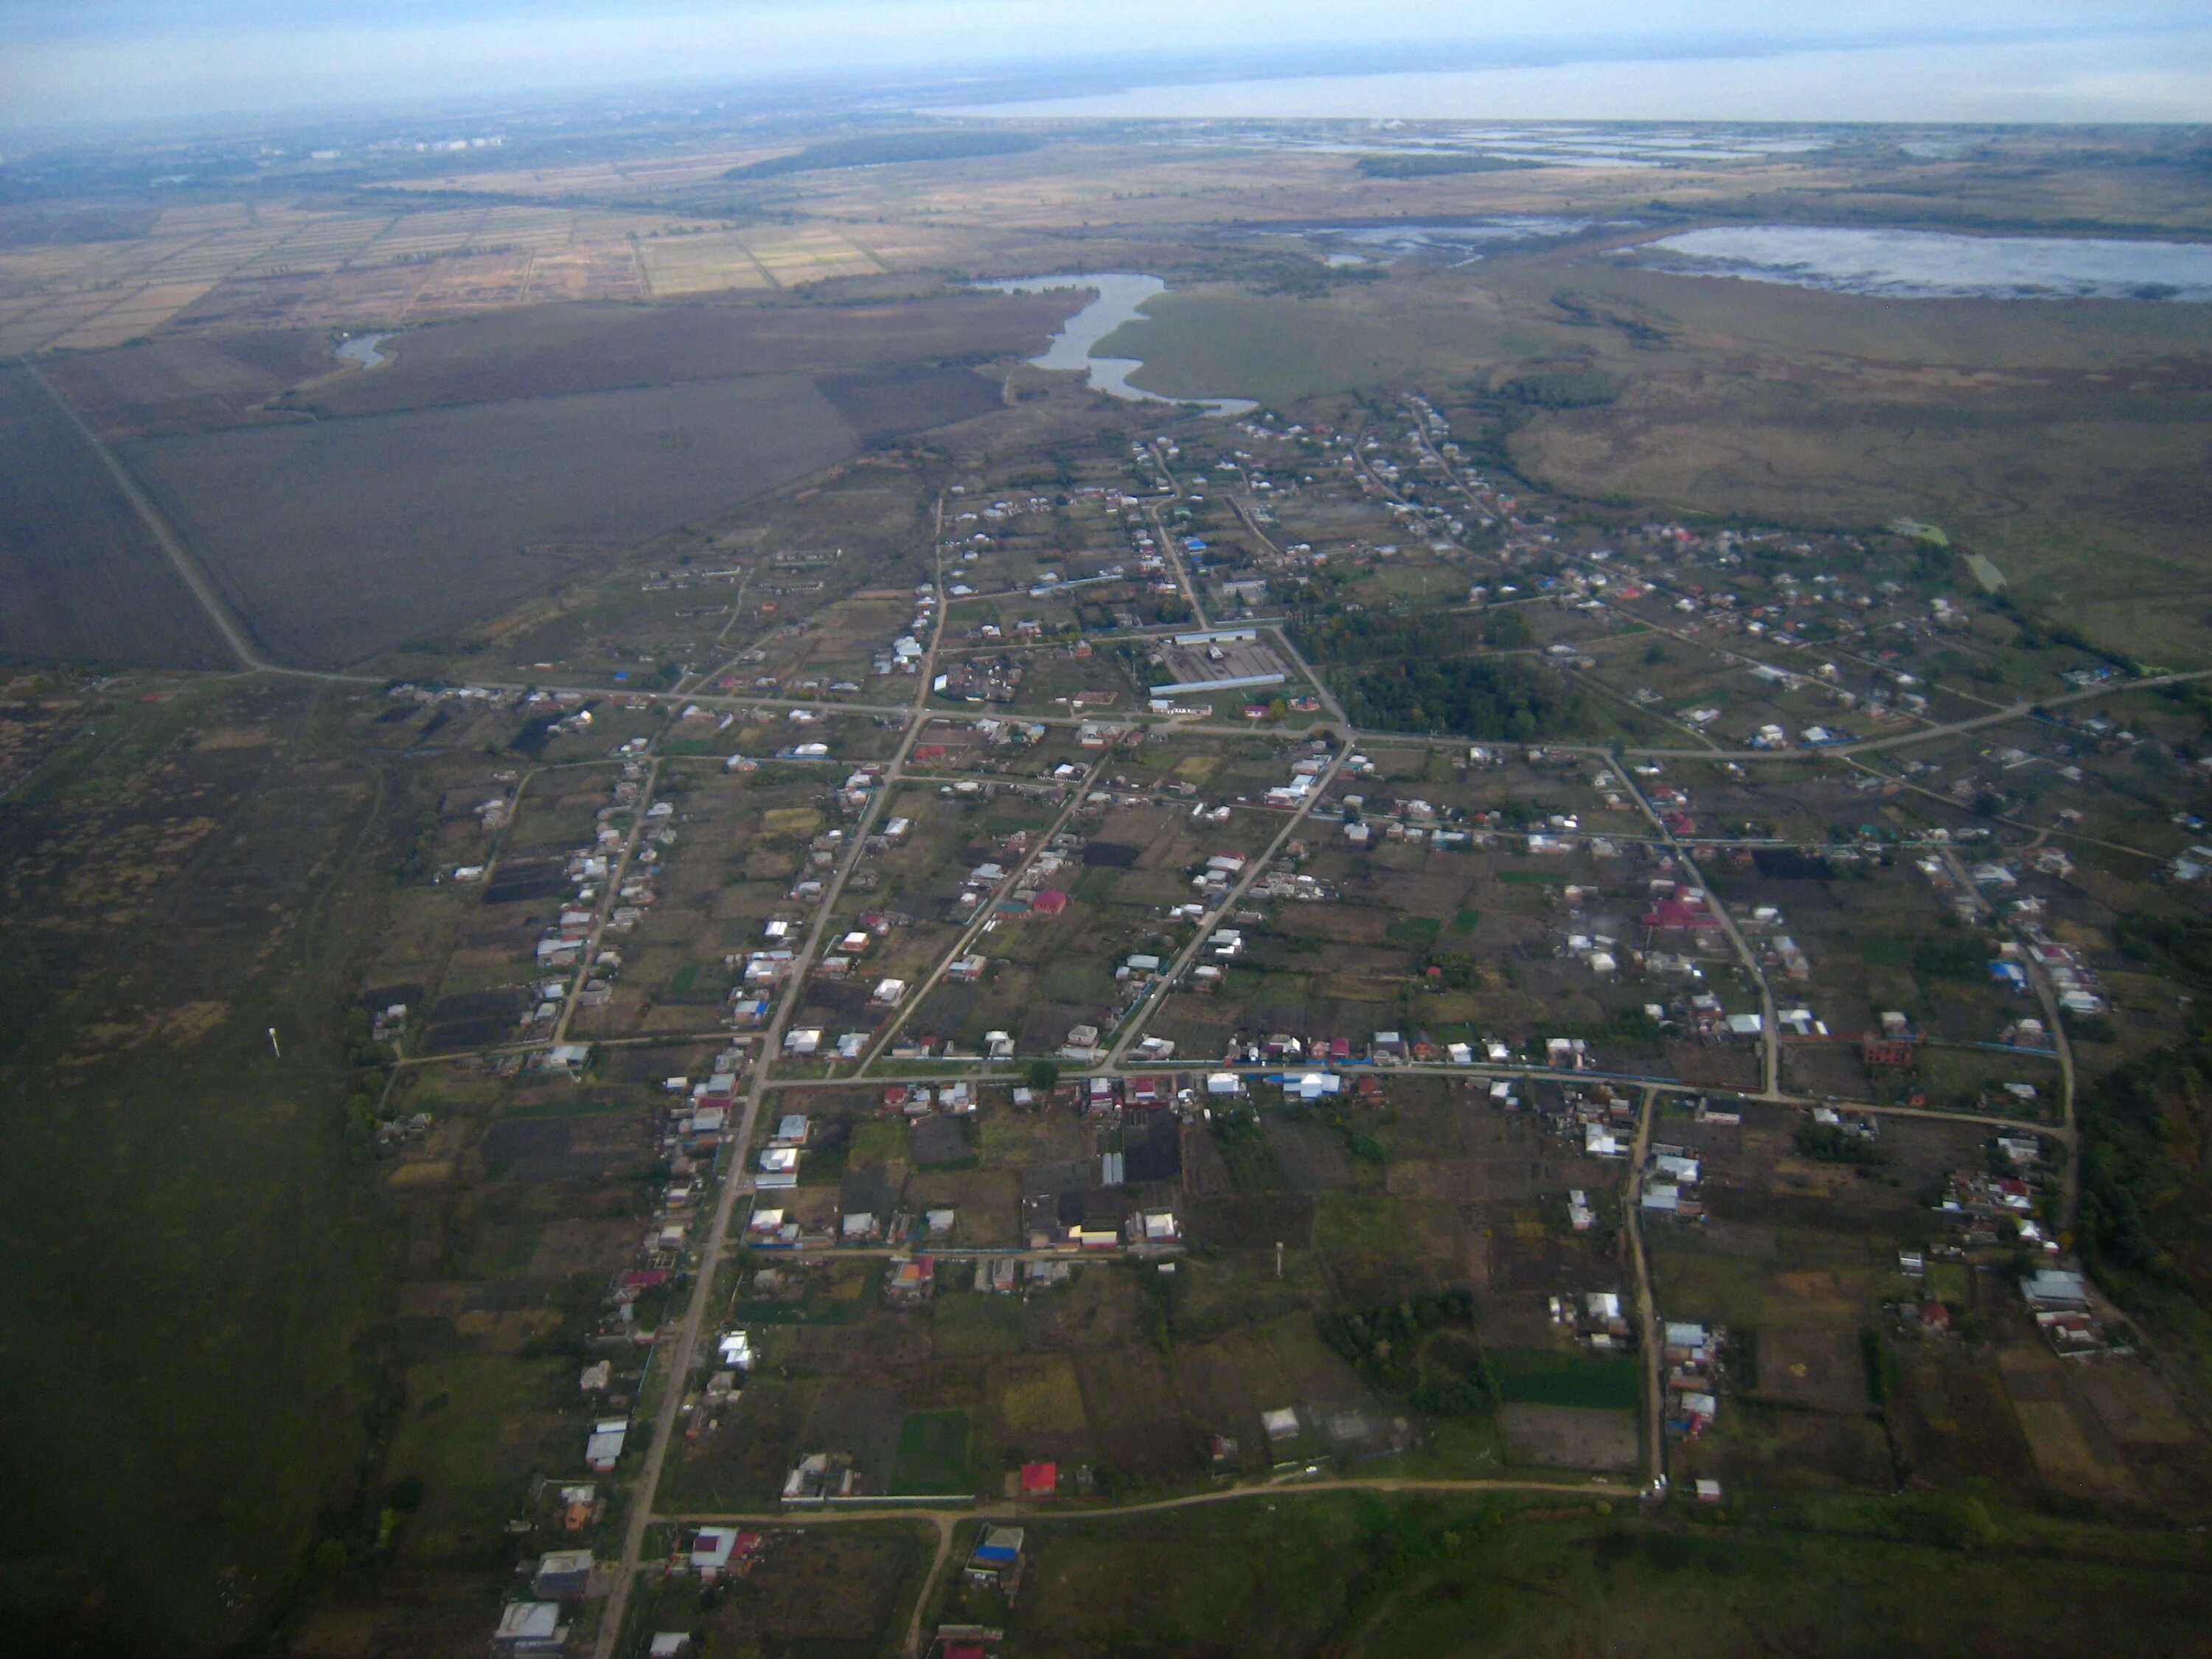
1383	1343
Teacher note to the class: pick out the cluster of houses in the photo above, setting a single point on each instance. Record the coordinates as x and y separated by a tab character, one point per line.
537	1621
1599	1320
819	1479
780	1158
703	1412
2007	1203
1028	888
1924	1316
2060	1303
430	696
905	652
1778	951
1414	821
1669	1184
2073	981
769	1229
1596	1117
595	869
1990	1206
771	964
1283	880
1690	1355
2191	864
981	679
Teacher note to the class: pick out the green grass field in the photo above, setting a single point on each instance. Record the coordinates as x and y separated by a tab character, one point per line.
933	1455
1294	1573
192	1258
1541	1376
848	1296
1278	349
970	1327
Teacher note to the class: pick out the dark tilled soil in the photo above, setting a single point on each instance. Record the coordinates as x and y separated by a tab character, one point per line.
557	350
80	579
335	539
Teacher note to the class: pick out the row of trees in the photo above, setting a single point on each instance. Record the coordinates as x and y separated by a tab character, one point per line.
1333	633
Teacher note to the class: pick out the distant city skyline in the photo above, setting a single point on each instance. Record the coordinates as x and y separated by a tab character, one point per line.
105	61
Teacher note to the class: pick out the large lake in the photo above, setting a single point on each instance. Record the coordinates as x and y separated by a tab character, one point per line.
1925	265
1121	297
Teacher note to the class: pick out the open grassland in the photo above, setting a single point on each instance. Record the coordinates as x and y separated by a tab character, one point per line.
770	257
551	351
1432	1575
198	1275
189	383
1225	342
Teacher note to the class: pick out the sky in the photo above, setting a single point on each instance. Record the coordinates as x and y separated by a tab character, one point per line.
98	61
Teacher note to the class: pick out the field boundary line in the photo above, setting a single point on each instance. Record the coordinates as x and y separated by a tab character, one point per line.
185	565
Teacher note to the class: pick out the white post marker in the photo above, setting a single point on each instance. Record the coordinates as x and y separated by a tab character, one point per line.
273	1043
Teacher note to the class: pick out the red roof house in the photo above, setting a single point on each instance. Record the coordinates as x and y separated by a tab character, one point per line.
1677	913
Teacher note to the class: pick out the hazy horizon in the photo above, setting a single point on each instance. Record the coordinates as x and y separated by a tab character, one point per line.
63	66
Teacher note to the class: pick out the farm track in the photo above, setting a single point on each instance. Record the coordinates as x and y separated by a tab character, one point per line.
186	566
981	923
1647	1307
945	1521
1770	1058
1470	1074
1149	1004
1364	737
